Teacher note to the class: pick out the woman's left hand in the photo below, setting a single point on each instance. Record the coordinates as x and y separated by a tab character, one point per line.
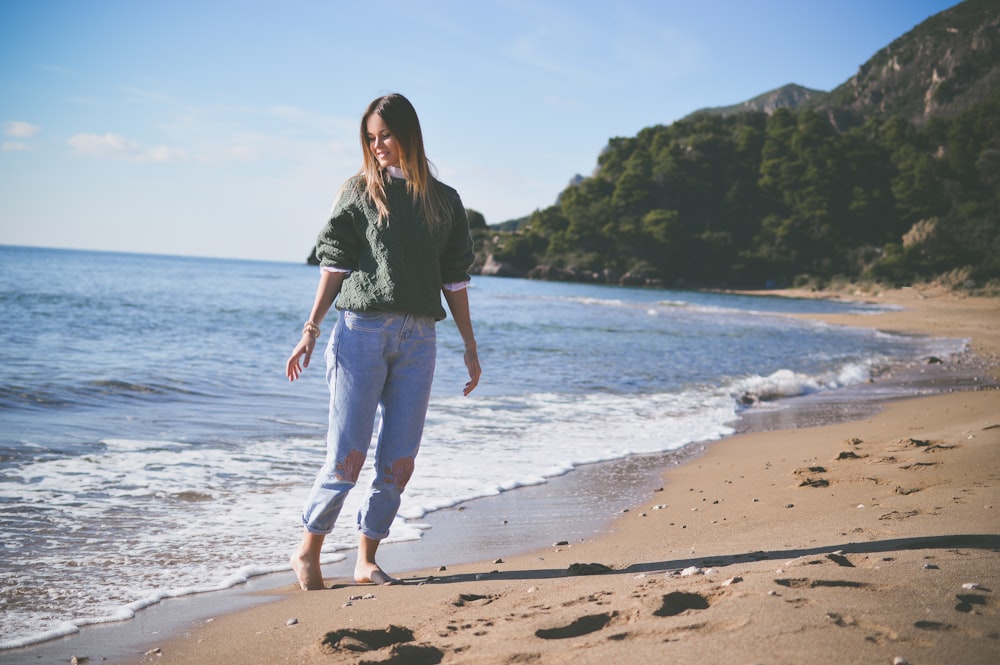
472	364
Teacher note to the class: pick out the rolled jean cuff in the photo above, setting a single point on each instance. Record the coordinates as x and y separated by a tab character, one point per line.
315	531
367	533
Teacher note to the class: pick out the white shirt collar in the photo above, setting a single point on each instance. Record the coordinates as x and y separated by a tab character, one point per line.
395	172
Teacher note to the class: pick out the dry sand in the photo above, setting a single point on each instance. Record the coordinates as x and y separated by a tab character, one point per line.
861	542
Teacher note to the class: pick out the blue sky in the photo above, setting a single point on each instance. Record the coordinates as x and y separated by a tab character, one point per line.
225	128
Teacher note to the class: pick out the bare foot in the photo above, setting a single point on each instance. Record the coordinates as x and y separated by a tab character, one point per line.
366	574
308	572
366	571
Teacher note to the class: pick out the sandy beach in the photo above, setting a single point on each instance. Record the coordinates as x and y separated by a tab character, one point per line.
872	541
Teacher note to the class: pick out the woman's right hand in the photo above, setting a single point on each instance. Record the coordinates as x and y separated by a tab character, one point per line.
326	293
302	352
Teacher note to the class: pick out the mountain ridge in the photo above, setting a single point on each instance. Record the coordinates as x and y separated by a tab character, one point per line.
945	64
790	95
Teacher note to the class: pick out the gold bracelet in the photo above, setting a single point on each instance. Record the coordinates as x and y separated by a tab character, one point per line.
312	329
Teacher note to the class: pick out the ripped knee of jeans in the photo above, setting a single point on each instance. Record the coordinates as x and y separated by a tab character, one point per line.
350	467
399	473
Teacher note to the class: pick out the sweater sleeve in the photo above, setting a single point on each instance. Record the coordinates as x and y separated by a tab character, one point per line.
338	245
457	257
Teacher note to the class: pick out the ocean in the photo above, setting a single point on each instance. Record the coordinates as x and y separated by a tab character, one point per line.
151	447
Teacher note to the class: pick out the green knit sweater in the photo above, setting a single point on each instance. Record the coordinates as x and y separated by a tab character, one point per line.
399	265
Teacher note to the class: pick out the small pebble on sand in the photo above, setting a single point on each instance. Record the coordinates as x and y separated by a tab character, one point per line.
291	622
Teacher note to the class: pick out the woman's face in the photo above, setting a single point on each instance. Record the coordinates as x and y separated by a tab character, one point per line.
382	143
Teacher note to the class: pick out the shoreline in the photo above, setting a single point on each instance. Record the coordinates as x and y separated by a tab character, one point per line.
263	588
744	550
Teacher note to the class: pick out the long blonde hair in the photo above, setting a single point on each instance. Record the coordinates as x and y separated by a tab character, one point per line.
400	117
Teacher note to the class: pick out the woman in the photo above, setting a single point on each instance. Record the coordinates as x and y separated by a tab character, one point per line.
395	240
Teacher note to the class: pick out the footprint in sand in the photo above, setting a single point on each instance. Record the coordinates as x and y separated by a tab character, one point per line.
356	639
810	477
969	601
896	515
472	598
925	446
584	625
849	454
395	639
876	633
934	625
807	583
413	654
676	602
917	466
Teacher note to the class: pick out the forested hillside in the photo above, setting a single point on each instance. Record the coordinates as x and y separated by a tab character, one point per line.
864	183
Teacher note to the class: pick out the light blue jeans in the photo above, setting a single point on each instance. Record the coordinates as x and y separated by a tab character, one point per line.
375	362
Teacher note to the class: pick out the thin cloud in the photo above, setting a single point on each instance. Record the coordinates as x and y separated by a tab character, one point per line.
559	101
14	146
116	146
243	134
21	130
217	133
534	51
660	49
56	69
